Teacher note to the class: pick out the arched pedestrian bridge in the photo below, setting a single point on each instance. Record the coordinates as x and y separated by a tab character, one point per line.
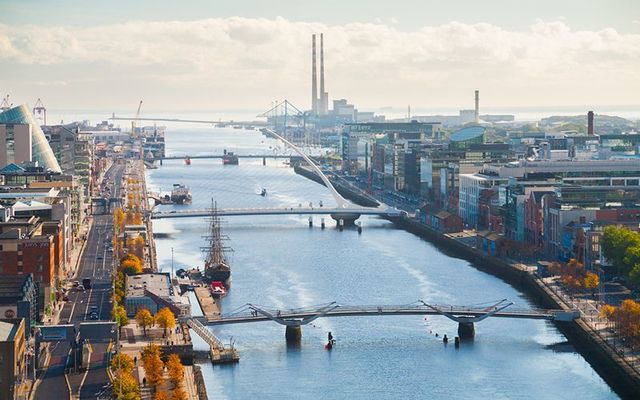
465	316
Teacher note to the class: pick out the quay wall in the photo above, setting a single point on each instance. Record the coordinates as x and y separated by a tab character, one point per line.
623	379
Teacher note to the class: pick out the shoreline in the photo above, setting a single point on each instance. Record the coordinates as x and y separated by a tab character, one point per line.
613	369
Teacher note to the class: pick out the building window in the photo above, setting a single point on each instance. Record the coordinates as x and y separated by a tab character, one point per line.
40	257
39	268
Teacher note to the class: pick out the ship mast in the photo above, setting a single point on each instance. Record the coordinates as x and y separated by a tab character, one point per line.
215	251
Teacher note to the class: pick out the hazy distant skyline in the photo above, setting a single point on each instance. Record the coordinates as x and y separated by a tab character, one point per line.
245	54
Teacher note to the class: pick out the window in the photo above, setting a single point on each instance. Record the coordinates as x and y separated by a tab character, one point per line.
39	268
40	257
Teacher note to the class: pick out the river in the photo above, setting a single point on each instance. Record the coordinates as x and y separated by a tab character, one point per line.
280	261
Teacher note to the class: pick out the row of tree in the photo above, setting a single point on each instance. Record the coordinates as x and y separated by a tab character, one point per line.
163	318
625	319
126	386
574	276
621	247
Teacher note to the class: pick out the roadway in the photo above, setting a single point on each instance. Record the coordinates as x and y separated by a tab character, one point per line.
95	263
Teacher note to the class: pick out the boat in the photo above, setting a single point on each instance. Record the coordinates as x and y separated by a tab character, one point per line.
180	194
264	192
229	158
187	160
216	267
218	290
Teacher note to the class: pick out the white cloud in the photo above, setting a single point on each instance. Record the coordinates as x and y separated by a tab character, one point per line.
374	63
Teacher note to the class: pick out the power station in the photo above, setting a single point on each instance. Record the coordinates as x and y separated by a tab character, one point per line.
319	105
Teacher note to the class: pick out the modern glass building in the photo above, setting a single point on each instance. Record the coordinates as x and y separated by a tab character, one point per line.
40	149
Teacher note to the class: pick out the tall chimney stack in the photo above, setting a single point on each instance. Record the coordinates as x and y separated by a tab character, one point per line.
590	123
324	102
477	113
314	78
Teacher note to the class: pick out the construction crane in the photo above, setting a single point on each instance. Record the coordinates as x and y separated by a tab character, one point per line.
133	122
40	111
5	105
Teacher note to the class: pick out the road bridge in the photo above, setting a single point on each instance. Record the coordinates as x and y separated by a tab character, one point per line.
465	316
336	213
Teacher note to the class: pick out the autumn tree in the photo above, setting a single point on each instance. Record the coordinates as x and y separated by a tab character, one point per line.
131	264
153	366
166	319
591	281
175	369
125	387
118	219
120	315
161	395
144	319
179	393
122	363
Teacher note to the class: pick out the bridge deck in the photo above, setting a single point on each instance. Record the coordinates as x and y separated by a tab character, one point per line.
227	212
256	314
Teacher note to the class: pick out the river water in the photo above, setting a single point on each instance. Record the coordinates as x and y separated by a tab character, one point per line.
279	261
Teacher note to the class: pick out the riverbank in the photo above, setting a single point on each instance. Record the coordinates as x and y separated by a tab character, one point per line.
623	379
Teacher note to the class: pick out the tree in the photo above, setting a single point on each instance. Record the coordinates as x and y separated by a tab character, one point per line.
130	264
615	243
144	319
125	387
166	319
175	369
153	368
179	394
151	350
161	395
120	315
118	219
122	363
591	281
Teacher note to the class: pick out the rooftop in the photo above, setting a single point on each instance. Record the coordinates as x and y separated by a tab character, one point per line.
158	284
8	330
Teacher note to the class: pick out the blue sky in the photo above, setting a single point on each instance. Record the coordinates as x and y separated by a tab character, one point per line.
245	54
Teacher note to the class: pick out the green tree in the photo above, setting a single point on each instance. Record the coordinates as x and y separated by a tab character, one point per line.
615	243
120	315
122	363
144	319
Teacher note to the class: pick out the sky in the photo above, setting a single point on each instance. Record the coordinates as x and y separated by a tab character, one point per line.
242	54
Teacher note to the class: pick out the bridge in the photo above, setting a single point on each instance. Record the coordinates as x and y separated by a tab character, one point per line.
465	316
336	213
217	156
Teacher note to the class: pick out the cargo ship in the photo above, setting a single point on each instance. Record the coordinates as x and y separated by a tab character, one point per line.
229	158
180	194
216	267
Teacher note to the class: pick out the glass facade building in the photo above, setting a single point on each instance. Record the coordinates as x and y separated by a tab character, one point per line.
40	149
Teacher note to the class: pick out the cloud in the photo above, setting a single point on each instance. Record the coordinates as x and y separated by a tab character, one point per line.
375	61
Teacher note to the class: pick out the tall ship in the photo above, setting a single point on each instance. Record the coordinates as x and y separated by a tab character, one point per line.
180	194
216	266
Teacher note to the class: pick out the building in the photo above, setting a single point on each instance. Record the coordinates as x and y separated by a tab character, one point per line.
153	292
469	192
19	131
19	299
26	249
13	362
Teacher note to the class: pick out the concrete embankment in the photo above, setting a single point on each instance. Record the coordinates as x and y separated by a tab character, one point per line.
623	379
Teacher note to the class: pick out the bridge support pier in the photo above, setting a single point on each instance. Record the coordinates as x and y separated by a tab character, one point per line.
293	334
466	330
347	218
264	161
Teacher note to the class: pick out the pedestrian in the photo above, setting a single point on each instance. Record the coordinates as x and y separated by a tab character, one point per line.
144	381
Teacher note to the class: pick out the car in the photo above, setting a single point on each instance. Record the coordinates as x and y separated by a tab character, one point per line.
99	257
93	316
94	309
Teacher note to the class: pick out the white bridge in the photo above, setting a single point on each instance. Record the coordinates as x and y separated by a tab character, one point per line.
336	213
465	316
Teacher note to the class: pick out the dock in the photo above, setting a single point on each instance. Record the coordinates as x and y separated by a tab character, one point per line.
219	353
210	307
